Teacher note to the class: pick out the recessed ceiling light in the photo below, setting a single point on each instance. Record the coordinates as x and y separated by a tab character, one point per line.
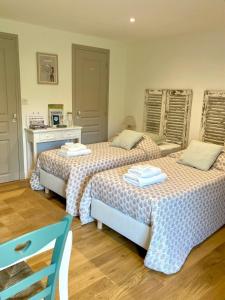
132	20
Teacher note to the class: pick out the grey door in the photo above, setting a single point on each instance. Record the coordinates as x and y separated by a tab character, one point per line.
9	145
90	92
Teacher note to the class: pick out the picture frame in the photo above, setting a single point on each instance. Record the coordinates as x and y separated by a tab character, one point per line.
55	114
47	68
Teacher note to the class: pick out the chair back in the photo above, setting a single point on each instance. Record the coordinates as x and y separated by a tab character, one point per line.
27	245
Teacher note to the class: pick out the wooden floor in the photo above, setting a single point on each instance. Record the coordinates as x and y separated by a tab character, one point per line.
104	265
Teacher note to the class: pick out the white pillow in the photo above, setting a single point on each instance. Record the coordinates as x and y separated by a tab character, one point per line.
200	155
127	139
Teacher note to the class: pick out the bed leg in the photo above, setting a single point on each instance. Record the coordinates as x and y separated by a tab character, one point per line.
46	190
99	225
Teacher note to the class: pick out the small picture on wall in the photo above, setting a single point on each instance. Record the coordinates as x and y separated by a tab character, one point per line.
47	68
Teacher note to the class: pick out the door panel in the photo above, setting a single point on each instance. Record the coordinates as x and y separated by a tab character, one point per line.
4	158
9	149
90	92
3	87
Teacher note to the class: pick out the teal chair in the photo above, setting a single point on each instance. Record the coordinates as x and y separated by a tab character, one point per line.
26	246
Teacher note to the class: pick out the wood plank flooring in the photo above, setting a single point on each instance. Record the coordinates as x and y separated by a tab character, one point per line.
104	265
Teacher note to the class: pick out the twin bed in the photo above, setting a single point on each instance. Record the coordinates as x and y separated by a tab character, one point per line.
167	219
68	177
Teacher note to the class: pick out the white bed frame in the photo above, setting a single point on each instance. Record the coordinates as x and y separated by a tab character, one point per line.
58	185
137	232
52	183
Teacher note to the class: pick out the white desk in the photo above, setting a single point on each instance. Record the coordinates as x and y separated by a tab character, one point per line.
47	137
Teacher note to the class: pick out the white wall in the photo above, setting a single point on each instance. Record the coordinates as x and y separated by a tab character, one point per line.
34	39
191	61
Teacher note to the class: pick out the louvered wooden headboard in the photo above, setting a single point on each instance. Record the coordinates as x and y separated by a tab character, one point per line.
177	116
167	112
213	117
154	111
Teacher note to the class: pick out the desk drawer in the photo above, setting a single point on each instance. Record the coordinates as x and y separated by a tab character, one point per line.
59	135
47	136
71	134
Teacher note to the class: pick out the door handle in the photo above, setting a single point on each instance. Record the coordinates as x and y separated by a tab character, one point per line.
78	113
14	118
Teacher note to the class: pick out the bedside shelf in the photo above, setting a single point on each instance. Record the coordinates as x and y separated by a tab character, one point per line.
168	148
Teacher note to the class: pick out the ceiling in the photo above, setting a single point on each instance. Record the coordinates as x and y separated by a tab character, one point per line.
110	18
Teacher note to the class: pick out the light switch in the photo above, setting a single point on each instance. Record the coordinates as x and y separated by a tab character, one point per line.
24	101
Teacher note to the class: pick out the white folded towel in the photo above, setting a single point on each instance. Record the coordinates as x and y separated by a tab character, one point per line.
73	147
141	181
65	153
144	171
70	144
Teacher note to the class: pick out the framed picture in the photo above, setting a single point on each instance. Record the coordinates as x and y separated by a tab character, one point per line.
55	114
47	68
55	119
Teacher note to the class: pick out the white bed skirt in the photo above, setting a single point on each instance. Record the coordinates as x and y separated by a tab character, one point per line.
53	183
137	232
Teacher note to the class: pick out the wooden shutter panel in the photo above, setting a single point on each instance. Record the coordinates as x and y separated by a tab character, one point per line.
213	117
154	110
177	116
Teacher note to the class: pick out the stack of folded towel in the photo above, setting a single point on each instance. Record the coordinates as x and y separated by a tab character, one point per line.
144	175
71	149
